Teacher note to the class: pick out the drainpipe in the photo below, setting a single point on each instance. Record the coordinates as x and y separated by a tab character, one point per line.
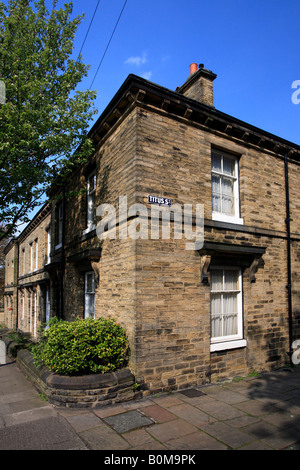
289	271
63	255
16	282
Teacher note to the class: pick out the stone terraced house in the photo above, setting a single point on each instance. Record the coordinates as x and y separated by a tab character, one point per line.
230	305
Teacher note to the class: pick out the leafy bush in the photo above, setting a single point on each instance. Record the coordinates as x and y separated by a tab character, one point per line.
82	347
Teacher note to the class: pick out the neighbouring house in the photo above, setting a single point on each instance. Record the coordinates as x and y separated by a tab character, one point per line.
226	307
3	243
2	275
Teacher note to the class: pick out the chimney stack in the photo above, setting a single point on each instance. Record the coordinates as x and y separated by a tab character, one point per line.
199	85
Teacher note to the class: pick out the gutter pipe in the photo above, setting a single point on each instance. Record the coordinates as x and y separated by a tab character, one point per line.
289	271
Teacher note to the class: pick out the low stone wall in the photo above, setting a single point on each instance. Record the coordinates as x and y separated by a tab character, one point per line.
87	391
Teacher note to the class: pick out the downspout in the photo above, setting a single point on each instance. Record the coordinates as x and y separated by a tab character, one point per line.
63	255
16	282
289	271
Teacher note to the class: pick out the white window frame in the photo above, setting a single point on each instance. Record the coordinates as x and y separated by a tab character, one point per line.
23	261
221	343
47	305
90	204
36	254
220	216
88	294
35	314
30	310
48	260
31	257
60	215
22	305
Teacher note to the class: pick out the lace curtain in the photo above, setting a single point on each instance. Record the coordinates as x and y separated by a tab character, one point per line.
224	302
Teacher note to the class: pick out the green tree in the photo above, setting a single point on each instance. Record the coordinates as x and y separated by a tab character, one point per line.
44	120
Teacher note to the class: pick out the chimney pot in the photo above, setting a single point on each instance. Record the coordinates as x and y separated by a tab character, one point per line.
193	68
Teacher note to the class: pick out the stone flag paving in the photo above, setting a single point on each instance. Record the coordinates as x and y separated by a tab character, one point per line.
251	413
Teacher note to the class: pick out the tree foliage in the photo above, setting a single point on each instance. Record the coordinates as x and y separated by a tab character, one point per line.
44	120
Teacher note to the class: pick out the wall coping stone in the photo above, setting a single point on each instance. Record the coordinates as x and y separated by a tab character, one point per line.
85	390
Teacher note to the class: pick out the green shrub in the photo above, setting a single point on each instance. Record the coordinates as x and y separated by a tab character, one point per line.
82	347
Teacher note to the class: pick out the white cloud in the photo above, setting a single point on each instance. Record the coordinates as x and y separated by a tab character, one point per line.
165	58
147	75
136	60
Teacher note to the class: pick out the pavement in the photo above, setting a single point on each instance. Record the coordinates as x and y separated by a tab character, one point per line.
251	413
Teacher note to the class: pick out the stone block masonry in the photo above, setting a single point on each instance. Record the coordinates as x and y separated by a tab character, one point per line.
151	141
79	392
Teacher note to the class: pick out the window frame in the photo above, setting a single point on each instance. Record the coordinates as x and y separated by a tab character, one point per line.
220	216
22	298
23	262
88	294
36	260
237	340
31	257
90	201
60	225
47	305
48	244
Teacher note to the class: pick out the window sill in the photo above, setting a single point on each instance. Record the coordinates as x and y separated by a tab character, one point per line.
224	345
227	218
89	229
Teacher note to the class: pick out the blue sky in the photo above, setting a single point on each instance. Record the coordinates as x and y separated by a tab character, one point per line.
253	47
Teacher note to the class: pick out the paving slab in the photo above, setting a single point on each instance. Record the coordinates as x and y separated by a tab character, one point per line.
109	411
192	393
228	435
283	419
277	431
230	397
15	397
127	421
136	404
191	414
167	400
256	445
165	432
43	434
140	439
84	421
103	438
26	416
256	407
159	414
195	400
196	441
260	430
154	445
221	411
243	421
